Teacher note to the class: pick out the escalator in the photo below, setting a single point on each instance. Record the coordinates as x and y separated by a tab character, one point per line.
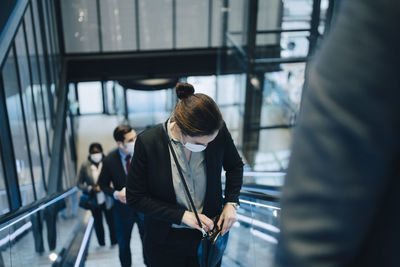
41	235
253	238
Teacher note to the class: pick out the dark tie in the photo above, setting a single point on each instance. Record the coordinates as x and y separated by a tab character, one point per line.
128	162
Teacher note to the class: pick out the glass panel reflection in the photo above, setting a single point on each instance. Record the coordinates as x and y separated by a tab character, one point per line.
14	109
192	19
43	117
147	108
253	238
4	208
39	238
155	33
36	107
28	107
80	26
5	251
118	25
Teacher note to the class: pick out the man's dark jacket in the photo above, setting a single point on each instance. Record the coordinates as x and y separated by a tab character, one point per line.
341	199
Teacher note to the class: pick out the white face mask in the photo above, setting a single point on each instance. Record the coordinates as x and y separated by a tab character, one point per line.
96	157
130	147
194	147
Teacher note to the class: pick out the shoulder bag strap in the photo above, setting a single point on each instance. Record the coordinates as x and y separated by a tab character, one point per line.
183	181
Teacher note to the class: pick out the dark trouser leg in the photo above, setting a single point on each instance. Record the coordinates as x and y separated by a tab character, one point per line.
123	218
111	225
37	232
98	223
50	216
139	219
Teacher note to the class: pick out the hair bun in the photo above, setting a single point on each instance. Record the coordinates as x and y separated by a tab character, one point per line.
184	90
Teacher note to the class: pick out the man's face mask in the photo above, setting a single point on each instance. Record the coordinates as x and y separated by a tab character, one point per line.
130	147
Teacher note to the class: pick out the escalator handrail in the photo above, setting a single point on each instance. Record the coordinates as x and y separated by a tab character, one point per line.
25	211
262	192
7	34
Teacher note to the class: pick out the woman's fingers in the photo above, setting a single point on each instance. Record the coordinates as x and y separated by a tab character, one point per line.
206	222
220	222
229	217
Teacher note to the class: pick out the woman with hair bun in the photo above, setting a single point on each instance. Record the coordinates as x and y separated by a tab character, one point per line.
201	146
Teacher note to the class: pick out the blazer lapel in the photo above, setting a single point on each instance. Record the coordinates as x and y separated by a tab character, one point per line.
164	149
209	200
119	167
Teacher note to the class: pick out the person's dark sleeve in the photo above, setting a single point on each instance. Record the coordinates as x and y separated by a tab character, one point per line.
346	141
105	179
82	179
233	165
138	195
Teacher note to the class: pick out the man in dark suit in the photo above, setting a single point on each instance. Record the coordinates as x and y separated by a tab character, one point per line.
115	168
341	199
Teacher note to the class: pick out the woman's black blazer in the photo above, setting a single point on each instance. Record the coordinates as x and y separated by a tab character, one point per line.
149	182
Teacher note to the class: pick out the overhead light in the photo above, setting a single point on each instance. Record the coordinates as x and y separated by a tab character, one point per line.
149	84
152	82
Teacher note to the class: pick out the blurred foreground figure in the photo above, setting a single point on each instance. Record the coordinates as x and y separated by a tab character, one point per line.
341	199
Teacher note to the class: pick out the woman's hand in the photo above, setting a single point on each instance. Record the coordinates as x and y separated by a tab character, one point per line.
189	218
227	219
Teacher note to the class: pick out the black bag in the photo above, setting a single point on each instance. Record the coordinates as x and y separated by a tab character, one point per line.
86	200
212	245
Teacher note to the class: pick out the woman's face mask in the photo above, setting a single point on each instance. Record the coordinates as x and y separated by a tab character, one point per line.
96	157
198	143
195	147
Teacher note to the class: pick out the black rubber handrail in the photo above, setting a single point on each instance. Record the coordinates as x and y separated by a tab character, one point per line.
262	192
14	217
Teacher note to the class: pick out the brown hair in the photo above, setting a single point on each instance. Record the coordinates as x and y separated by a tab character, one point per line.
196	114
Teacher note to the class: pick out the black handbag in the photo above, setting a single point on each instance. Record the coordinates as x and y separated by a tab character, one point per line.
85	201
213	244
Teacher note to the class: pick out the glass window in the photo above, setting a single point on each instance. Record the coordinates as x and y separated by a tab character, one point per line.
14	110
50	53
147	108
72	99
80	26
90	97
119	99
110	92
54	35
29	110
192	20
36	106
236	17
46	119
232	104
269	17
155	33
68	164
216	35
118	25
4	207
